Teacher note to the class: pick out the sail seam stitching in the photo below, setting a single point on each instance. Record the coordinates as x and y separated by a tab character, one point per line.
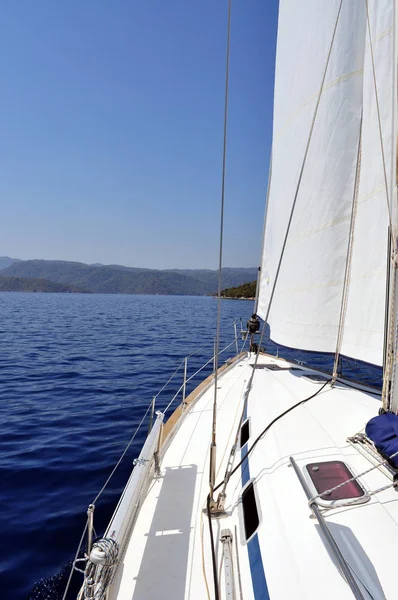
306	103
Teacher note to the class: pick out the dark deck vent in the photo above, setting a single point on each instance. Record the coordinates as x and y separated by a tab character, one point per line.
244	433
251	519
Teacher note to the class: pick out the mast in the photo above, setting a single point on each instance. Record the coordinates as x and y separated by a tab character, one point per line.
390	367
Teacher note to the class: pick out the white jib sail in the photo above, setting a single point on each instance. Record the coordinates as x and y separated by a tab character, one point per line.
306	308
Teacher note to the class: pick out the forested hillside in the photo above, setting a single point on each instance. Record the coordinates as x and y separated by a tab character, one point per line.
117	279
247	290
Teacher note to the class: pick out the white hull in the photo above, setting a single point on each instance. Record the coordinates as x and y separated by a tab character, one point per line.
169	553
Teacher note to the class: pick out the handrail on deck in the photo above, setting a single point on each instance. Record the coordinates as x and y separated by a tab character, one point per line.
236	331
341	561
187	379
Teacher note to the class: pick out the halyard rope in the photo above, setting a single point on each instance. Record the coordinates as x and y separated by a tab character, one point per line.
98	576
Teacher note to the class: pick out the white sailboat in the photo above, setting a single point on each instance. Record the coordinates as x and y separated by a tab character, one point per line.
301	503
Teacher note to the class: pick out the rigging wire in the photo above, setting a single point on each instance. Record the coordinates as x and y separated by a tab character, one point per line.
213	444
217	339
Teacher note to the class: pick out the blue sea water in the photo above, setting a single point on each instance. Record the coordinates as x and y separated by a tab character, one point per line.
77	373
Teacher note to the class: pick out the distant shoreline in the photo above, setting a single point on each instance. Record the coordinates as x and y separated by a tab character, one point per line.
246	291
66	276
232	298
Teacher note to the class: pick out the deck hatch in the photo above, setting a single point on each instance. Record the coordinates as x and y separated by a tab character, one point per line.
251	517
244	433
326	475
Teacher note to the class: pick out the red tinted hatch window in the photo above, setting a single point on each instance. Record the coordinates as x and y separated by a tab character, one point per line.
326	475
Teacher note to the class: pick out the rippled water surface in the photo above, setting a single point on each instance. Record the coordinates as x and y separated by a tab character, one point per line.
77	373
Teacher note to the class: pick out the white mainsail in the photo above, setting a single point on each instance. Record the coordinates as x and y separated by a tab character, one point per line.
308	300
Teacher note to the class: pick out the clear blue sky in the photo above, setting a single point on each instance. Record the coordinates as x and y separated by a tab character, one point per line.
111	117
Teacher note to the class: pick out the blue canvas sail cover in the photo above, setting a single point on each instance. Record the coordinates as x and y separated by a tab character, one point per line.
383	431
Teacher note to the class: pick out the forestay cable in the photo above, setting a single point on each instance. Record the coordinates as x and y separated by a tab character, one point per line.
212	465
217	340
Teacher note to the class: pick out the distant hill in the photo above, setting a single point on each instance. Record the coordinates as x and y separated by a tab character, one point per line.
22	284
6	261
247	290
107	279
117	279
231	277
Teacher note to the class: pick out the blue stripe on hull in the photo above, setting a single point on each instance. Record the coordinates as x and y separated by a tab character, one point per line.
259	582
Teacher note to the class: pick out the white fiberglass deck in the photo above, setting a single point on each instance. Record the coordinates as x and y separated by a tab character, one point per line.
169	551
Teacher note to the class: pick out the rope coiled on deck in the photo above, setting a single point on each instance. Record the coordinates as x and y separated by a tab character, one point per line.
99	569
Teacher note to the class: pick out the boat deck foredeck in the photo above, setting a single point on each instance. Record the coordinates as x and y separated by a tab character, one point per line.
169	554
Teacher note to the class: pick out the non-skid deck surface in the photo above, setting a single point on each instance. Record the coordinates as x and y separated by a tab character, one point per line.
169	552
